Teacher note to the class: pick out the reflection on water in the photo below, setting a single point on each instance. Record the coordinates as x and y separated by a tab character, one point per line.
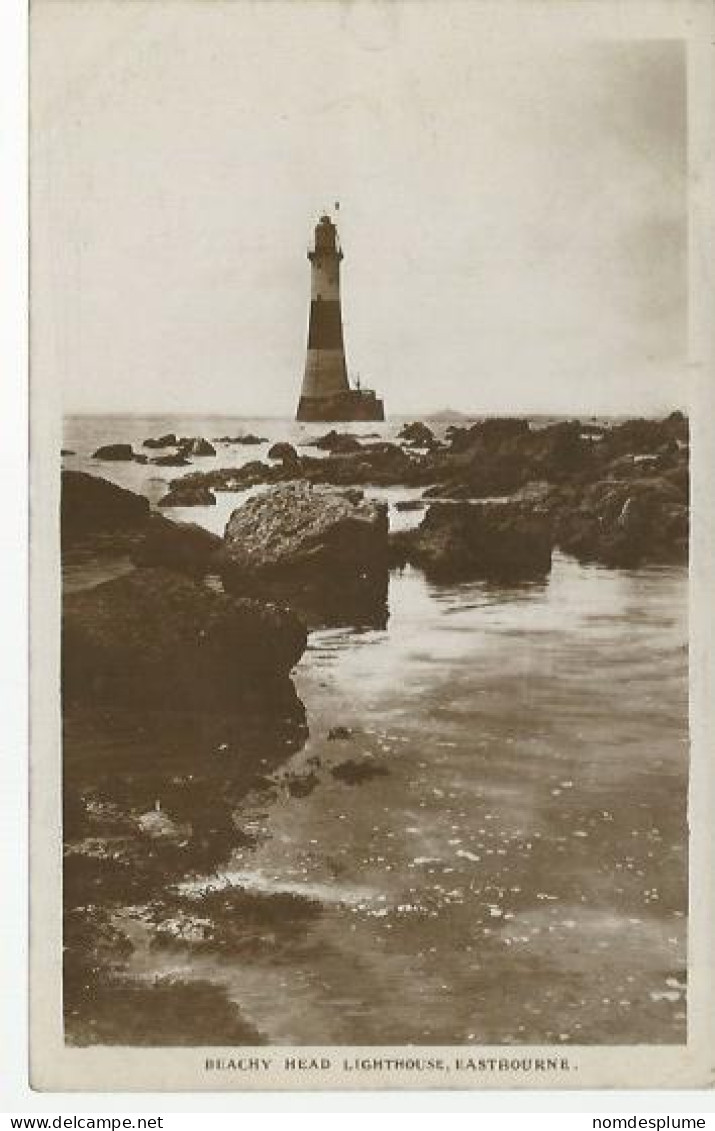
519	873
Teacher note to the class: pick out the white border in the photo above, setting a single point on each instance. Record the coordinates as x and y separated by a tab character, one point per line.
14	1090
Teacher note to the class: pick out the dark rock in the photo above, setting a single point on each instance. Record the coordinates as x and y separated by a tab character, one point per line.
233	478
301	785
188	496
68	452
174	459
340	442
179	546
339	734
167	441
195	446
247	439
153	639
114	452
417	434
500	542
626	522
107	1010
639	436
490	433
286	453
91	505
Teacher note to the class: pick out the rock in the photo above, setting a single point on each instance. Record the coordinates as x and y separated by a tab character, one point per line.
154	640
301	785
328	546
490	433
91	505
158	825
68	452
410	505
195	446
500	542
417	435
248	439
114	452
339	734
233	478
179	546
642	437
340	442
295	529
188	496
627	521
174	459
167	441
284	452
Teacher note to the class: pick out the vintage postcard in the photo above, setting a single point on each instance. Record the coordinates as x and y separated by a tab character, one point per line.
371	397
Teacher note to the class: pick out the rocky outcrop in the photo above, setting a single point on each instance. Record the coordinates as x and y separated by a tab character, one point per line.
417	435
286	453
123	452
103	524
625	522
460	541
173	459
169	440
188	496
341	442
154	640
196	446
91	505
324	546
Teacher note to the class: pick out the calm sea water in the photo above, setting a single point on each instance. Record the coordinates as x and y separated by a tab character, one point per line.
519	874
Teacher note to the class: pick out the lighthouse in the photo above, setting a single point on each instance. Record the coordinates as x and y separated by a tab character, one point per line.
326	393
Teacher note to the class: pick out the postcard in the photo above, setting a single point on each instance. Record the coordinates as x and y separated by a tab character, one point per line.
371	452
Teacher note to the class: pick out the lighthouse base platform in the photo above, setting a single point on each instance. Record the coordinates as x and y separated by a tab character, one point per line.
354	404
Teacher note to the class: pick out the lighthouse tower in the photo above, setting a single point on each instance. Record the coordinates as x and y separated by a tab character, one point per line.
326	392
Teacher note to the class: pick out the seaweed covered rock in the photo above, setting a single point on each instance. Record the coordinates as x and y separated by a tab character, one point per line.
154	639
499	542
326	543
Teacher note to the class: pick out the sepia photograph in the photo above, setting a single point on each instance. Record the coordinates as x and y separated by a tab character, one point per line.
361	396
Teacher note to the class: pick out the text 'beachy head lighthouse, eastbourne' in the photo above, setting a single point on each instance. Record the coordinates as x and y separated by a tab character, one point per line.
326	393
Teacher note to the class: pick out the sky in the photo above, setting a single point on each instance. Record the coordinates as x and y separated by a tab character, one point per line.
512	212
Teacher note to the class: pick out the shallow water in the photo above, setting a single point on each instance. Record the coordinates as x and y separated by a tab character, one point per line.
518	874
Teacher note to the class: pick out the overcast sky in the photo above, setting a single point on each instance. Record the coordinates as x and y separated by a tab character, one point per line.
513	218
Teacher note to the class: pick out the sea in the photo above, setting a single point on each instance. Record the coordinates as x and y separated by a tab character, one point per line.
518	872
